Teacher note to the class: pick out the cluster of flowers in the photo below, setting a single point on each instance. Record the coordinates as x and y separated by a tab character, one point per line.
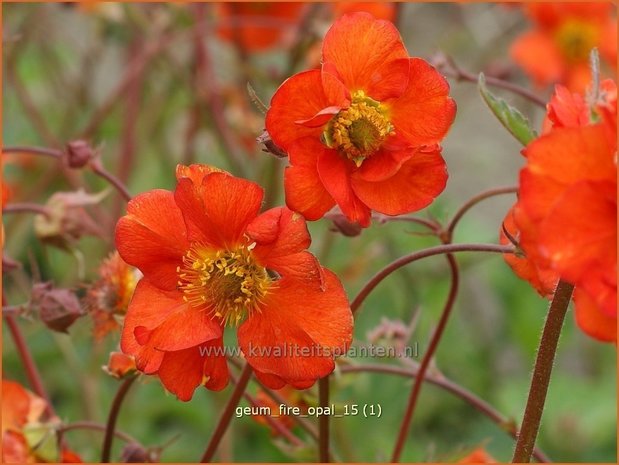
565	220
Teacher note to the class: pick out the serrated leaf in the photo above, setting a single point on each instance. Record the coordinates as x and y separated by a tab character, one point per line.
511	118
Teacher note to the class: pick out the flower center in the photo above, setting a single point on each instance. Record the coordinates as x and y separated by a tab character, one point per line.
229	281
359	130
576	39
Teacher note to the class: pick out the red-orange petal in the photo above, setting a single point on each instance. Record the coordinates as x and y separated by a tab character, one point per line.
299	98
183	371
278	232
424	112
335	172
362	50
539	56
218	211
591	320
152	237
15	406
416	184
567	109
151	308
383	164
580	232
305	192
543	280
298	331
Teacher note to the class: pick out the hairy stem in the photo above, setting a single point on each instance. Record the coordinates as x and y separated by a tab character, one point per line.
108	438
450	386
541	372
323	420
226	415
429	252
427	358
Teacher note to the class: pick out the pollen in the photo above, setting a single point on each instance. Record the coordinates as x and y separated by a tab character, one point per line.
359	130
227	283
576	39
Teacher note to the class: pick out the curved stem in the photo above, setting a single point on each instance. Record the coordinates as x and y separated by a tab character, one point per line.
474	201
541	372
452	387
98	169
91	425
226	415
33	150
460	74
323	420
302	422
425	362
34	378
437	250
26	208
111	419
273	423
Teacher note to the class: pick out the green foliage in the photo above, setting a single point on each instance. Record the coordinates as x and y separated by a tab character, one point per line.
510	117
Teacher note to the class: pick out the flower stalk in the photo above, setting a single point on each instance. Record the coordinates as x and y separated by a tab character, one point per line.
541	373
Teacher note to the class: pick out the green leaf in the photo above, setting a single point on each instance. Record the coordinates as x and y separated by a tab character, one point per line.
514	121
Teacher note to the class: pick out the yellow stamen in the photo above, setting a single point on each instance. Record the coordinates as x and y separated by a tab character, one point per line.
576	39
230	282
359	130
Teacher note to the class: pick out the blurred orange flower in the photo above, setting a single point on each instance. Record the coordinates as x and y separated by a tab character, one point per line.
108	298
478	455
380	10
293	398
363	131
557	49
256	26
25	439
566	214
210	260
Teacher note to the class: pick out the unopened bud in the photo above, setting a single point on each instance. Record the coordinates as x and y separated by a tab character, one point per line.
342	225
79	153
119	365
67	220
57	307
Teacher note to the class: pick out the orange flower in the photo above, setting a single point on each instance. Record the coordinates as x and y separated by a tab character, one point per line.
256	26
25	439
108	298
293	398
380	10
478	455
557	49
567	211
362	132
119	365
210	260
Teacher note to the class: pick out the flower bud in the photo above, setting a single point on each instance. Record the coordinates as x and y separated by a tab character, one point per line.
58	308
68	220
78	153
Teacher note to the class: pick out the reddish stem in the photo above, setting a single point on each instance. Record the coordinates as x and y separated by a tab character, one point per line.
450	386
26	208
429	252
541	373
323	420
474	201
226	415
34	378
425	362
112	416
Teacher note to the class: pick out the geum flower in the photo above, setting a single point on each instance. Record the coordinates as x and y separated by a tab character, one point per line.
29	435
565	220
363	131
557	49
209	261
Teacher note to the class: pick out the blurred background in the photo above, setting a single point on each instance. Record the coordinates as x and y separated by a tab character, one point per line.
153	85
